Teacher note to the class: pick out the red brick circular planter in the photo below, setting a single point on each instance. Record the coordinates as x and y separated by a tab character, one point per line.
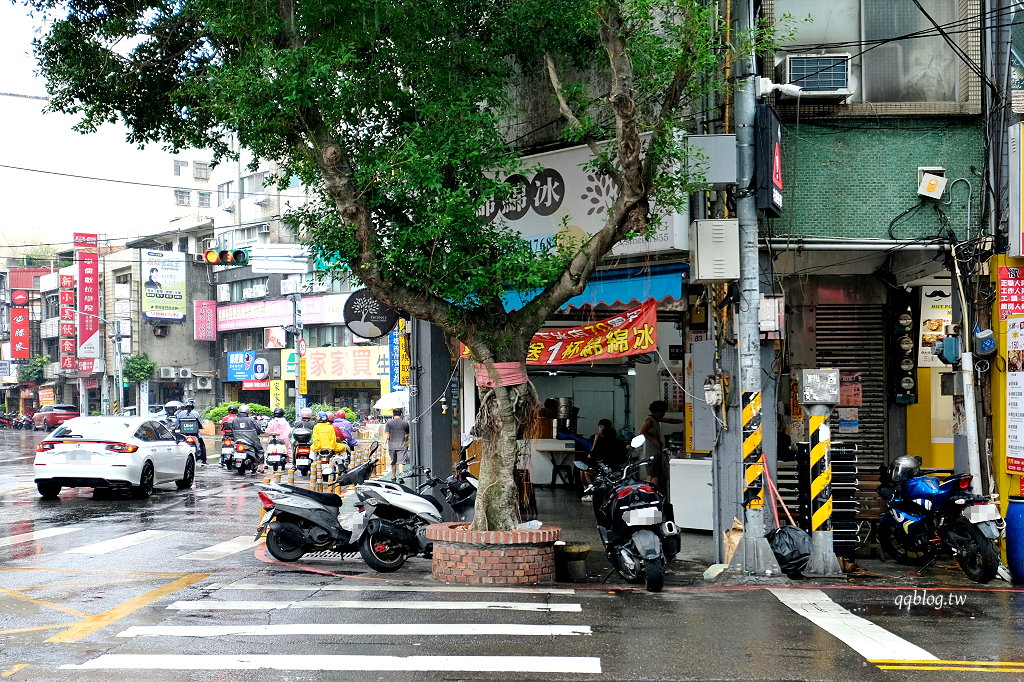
494	557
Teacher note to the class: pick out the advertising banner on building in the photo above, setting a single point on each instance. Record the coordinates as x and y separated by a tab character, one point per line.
88	295
21	347
1015	394
240	364
163	291
277	394
68	329
353	363
1011	292
46	396
631	332
936	313
204	317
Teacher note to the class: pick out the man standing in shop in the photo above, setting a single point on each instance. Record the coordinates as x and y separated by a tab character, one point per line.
396	434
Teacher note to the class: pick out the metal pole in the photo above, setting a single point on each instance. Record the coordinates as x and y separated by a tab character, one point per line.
753	555
120	366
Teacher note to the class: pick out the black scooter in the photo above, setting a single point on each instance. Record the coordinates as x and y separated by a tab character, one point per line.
634	520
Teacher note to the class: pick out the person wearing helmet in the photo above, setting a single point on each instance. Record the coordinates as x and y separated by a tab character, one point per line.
188	421
305	422
324	437
170	407
345	430
279	427
247	430
225	423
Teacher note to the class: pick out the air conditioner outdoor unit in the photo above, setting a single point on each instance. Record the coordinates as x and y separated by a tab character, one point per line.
168	372
199	258
289	286
160	331
211	243
259	291
263	201
247	292
223	293
321	285
264	227
184	372
204	383
819	75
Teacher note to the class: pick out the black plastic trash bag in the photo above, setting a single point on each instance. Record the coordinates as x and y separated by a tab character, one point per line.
792	548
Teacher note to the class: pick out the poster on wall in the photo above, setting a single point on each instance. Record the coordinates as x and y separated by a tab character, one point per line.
163	290
1015	395
936	313
1011	292
205	320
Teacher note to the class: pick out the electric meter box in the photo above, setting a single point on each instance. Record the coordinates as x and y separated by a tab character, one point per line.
714	251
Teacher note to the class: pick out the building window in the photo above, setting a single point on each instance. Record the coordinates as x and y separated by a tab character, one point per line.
921	67
224	193
126	278
183	244
201	170
253	184
204	199
246	289
178	165
182	197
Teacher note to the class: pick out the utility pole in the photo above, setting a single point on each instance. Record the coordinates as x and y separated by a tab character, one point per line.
754	555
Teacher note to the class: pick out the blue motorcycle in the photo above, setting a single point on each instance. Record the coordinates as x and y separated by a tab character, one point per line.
926	516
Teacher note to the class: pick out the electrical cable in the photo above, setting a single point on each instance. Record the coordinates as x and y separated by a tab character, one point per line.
440	397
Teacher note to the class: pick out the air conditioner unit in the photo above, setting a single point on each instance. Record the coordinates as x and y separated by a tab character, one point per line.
168	372
184	372
230	208
223	293
263	201
247	292
204	383
260	290
199	258
264	227
160	331
321	285
211	243
289	286
819	75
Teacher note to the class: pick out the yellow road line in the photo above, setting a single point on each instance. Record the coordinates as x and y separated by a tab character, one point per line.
89	582
36	628
960	668
93	570
892	661
94	623
11	671
42	602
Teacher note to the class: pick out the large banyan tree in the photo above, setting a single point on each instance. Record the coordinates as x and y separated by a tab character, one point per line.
398	114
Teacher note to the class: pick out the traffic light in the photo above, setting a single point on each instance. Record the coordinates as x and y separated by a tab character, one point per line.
236	257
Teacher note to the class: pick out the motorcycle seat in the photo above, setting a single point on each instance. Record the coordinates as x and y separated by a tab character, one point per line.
329	499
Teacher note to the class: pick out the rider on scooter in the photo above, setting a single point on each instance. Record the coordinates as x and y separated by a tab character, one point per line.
278	426
188	421
245	429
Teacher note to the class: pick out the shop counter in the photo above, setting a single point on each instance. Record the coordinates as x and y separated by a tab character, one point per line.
691	494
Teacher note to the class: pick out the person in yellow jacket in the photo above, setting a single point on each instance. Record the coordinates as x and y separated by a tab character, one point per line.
324	436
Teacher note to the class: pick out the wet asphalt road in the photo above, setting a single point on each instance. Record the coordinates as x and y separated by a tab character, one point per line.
112	588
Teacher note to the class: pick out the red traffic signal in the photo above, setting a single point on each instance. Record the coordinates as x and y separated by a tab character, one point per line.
236	257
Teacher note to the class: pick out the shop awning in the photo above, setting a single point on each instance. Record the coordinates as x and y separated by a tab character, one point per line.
625	287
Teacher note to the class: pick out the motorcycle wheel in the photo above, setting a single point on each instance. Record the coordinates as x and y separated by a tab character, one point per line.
303	471
981	561
381	553
894	547
654	575
283	549
241	469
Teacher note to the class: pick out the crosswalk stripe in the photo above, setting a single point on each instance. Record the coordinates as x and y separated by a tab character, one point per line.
370	587
869	640
37	535
223	549
215	605
522	664
122	542
359	629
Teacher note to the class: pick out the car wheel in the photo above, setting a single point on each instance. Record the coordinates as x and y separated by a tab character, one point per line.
48	489
145	487
46	425
190	475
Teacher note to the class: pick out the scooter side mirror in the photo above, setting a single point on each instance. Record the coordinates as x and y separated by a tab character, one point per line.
582	466
637	441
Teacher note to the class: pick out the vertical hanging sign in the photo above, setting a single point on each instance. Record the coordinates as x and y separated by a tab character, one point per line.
21	346
86	252
68	329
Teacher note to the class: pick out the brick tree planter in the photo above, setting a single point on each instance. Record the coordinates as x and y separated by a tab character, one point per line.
494	557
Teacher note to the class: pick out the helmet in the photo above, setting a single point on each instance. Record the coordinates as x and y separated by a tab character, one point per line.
330	416
243	409
232	409
278	411
191	402
171	407
306	413
321	417
904	468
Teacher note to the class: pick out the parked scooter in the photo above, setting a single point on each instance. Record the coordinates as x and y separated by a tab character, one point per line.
276	453
303	458
23	422
298	521
925	516
634	520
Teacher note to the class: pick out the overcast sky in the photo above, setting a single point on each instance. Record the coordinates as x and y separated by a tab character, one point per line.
39	205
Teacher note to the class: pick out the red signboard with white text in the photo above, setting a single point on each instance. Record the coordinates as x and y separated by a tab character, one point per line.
21	347
205	320
88	295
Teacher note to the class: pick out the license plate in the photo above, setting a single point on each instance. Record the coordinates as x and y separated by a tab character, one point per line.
302	461
328	470
78	456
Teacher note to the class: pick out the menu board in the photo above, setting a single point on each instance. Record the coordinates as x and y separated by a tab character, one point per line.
1015	395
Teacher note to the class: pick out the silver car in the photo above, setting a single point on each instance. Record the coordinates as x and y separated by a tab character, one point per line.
113	452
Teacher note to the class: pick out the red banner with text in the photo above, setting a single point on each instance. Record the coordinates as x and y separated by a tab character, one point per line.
21	348
631	332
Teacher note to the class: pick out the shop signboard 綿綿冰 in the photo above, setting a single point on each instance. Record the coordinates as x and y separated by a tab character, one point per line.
163	291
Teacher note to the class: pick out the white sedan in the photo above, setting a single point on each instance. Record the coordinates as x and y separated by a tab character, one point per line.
113	452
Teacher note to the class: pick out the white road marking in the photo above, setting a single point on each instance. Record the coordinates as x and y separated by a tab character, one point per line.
115	544
869	640
223	549
384	629
370	587
214	605
519	664
37	535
